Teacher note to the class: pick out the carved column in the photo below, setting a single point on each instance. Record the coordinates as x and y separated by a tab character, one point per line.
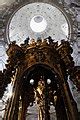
25	104
60	109
15	115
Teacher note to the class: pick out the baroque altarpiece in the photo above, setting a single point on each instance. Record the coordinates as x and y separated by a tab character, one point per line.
39	72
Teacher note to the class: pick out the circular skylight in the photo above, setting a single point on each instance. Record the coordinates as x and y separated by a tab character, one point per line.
38	24
38	19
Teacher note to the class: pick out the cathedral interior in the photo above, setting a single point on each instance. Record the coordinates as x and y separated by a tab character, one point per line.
39	59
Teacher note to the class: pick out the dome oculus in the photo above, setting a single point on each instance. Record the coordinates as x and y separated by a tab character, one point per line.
38	24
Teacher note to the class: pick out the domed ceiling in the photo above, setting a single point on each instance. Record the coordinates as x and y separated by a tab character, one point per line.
38	20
